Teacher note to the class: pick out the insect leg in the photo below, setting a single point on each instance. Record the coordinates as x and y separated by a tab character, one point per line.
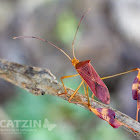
93	96
84	89
138	105
75	93
137	111
138	95
88	96
120	73
86	93
63	82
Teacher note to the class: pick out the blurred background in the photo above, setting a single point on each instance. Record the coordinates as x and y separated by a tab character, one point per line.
109	36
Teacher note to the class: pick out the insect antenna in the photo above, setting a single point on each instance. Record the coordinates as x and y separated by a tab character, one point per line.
44	41
76	32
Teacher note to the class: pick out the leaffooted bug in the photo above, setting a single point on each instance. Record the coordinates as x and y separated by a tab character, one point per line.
86	71
90	78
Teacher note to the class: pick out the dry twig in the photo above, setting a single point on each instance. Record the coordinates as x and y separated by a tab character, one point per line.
39	81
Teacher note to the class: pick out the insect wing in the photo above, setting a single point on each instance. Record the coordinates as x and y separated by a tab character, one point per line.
94	81
101	91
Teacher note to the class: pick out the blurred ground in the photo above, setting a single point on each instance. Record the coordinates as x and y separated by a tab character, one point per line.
109	36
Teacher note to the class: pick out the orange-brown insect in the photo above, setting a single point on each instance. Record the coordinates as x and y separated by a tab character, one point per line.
87	73
88	76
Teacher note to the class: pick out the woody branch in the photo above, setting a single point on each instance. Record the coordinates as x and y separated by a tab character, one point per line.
40	81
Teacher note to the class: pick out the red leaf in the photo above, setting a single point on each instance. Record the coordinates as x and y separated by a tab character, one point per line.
107	115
